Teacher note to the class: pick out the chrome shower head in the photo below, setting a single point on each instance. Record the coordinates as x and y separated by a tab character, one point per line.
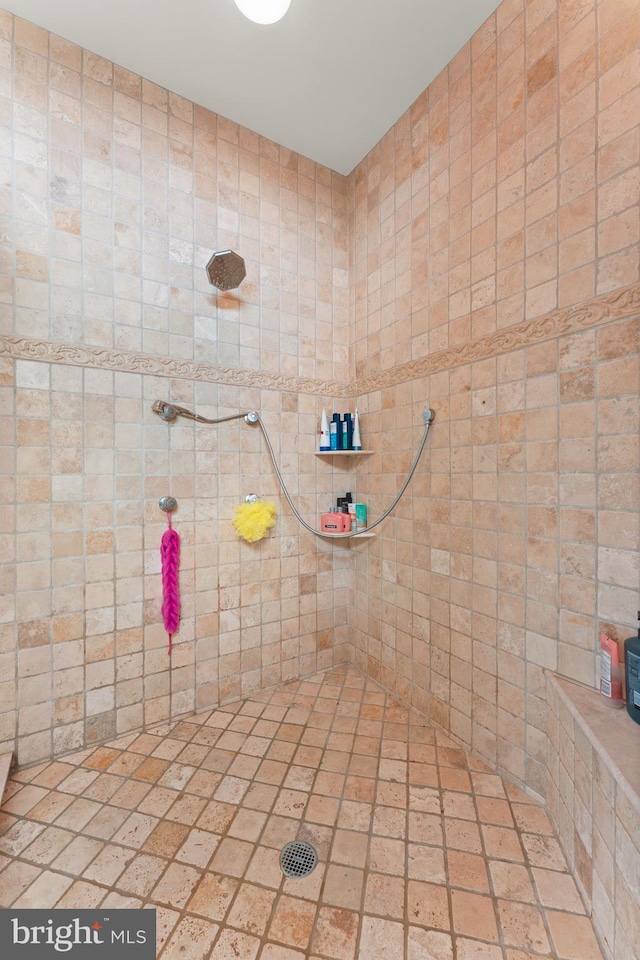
226	270
166	411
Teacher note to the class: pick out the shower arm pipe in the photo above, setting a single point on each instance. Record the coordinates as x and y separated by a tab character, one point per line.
169	411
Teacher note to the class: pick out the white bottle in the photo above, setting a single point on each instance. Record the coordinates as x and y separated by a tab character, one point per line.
325	439
356	442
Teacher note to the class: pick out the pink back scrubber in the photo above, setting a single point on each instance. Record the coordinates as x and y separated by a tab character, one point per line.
170	555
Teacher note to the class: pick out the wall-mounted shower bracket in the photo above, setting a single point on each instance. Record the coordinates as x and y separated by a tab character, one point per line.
428	415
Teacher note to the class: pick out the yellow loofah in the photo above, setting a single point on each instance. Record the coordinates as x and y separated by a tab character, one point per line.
252	520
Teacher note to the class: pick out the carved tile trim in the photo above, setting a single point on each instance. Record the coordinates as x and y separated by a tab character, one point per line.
590	313
604	309
124	361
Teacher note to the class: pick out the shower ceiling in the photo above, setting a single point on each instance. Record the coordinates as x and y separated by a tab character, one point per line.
328	80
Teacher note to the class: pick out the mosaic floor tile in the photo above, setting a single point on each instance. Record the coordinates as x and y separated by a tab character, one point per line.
424	854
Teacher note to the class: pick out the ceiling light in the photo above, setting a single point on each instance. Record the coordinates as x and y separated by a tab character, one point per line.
263	11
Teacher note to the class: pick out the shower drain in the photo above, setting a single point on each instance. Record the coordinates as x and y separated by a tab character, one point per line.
298	859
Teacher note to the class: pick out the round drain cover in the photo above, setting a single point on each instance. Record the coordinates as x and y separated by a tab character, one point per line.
298	859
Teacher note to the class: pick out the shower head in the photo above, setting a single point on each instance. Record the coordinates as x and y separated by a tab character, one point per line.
167	411
226	270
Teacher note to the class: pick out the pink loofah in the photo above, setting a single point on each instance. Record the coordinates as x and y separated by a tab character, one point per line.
170	554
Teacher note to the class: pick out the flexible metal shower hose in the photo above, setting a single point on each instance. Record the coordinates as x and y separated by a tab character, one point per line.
168	412
347	536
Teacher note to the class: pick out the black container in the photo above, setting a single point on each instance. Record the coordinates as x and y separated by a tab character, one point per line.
632	675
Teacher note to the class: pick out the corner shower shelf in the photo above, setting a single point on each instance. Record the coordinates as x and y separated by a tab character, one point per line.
348	453
343	453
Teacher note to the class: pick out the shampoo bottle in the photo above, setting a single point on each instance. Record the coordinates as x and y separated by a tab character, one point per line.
333	434
610	673
325	438
632	675
335	429
346	432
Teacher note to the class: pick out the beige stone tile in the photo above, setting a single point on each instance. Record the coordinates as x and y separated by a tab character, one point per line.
557	890
350	848
387	856
292	922
431	943
232	857
474	915
384	896
264	867
502	843
135	830
467	870
543	852
335	933
573	936
522	926
176	885
475	950
77	855
511	881
240	946
198	848
462	835
380	939
343	886
427	904
216	817
16	878
45	891
19	836
141	875
193	937
213	895
251	909
166	838
105	822
82	896
273	951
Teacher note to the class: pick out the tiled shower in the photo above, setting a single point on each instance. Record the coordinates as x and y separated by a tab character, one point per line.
483	260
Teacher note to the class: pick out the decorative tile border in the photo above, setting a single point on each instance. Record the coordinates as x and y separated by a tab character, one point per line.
125	361
611	306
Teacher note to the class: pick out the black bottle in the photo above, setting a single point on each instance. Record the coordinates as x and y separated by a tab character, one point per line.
632	675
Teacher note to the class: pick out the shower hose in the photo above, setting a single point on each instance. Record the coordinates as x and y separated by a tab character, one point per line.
169	411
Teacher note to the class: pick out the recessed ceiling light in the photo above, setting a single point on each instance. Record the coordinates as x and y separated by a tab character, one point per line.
263	11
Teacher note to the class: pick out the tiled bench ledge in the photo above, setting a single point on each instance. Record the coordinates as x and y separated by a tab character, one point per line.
5	766
593	795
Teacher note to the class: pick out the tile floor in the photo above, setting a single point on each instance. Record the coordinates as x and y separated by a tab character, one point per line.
424	854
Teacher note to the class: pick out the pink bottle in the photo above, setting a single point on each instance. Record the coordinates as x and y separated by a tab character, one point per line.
332	522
